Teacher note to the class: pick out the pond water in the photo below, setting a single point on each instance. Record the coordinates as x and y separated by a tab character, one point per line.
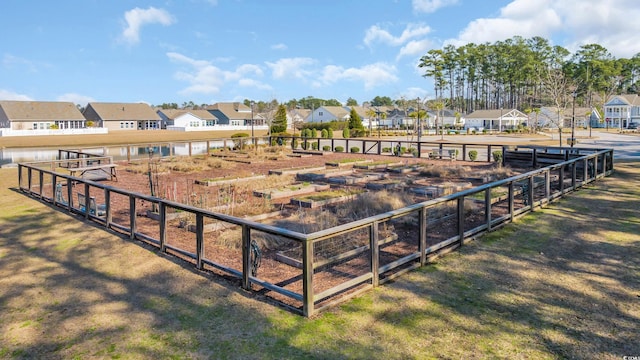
12	156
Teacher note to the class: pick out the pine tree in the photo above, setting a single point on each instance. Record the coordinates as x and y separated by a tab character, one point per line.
279	124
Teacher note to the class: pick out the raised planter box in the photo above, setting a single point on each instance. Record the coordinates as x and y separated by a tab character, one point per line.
348	162
357	179
404	169
384	185
376	165
223	181
293	190
322	176
295	170
311	204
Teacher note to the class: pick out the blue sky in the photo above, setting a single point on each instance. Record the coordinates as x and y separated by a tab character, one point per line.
209	51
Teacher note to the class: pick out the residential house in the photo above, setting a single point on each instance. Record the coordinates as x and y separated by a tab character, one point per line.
497	119
40	115
446	118
187	120
123	116
235	114
296	117
621	110
325	114
553	117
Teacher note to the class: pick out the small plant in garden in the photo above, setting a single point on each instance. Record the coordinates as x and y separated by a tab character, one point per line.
339	149
497	156
314	146
326	148
346	133
386	149
473	155
324	133
355	149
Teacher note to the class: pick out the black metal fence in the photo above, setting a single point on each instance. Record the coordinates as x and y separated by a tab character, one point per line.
331	265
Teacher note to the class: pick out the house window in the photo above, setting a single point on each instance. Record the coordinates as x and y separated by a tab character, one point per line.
320	113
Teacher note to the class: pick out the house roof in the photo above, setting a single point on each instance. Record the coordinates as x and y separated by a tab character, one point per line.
232	110
40	110
338	111
172	114
552	111
630	99
496	114
123	111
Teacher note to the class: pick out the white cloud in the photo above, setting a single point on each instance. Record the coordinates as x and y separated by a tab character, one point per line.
417	47
10	95
291	68
576	23
137	17
372	75
279	47
205	78
376	33
430	6
75	98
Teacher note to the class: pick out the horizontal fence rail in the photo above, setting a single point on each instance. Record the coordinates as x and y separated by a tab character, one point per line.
373	256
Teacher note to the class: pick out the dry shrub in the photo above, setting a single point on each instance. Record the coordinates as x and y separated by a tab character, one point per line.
372	203
183	164
446	171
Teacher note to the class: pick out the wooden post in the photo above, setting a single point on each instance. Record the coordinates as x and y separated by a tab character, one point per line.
422	241
374	261
40	185
199	239
87	202
530	195
132	216
511	201
461	219
464	152
307	279
487	208
246	257
108	213
162	212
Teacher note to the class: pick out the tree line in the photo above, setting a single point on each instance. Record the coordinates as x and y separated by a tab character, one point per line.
527	74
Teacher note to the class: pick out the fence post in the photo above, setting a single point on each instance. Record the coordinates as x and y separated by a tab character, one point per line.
199	238
573	175
307	278
531	189
107	201
511	200
422	221
87	202
461	219
374	243
562	180
132	216
547	185
487	208
246	257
